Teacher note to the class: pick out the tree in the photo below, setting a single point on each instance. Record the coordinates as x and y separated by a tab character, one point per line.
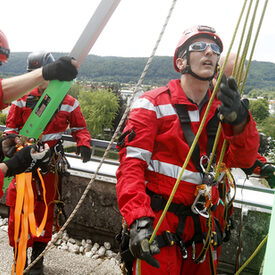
259	109
268	127
99	108
267	144
3	118
75	90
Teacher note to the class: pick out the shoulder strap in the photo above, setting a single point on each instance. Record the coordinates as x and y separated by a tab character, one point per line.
188	133
212	127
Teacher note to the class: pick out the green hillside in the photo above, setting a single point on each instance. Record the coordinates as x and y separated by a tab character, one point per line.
128	70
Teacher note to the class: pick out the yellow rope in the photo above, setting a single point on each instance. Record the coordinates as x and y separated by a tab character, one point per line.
217	137
252	256
241	39
254	44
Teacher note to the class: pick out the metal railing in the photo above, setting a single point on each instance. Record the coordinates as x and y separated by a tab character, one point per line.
96	143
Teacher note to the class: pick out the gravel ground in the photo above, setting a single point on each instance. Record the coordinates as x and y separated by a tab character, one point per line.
59	262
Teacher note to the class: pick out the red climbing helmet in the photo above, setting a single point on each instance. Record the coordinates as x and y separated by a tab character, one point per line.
193	33
4	48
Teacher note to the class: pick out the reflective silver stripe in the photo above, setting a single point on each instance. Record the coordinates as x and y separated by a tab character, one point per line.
19	103
173	171
69	108
165	110
52	136
160	110
74	129
143	103
134	152
11	129
137	269
194	116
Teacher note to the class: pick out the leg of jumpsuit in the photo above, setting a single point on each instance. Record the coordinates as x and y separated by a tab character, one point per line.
51	185
170	258
40	243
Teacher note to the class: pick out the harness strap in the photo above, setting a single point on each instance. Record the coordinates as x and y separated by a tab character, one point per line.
169	238
212	128
188	133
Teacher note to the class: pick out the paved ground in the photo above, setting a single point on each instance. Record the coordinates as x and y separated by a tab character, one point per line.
58	262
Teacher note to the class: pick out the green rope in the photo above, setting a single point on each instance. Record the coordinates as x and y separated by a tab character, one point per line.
252	256
243	56
247	45
254	44
242	37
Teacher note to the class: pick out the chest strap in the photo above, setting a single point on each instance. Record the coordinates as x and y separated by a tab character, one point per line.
188	133
212	127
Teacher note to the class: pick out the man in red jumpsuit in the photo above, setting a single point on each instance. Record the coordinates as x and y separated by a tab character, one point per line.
63	69
68	114
154	146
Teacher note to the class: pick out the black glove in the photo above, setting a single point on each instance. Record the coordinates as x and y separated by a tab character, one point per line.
249	171
268	173
27	159
140	233
85	153
7	146
62	69
234	110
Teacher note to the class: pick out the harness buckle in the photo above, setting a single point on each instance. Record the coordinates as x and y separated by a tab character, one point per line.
214	239
168	238
183	249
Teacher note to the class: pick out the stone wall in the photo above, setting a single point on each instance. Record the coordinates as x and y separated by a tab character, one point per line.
99	216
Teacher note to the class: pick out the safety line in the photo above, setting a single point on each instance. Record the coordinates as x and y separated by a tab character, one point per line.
241	39
252	256
247	42
254	44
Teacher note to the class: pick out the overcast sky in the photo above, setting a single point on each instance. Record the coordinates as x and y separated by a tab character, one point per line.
133	29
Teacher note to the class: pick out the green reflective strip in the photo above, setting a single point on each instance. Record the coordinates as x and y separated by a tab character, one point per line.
269	260
45	108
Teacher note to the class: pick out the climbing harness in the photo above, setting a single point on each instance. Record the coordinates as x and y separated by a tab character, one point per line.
168	238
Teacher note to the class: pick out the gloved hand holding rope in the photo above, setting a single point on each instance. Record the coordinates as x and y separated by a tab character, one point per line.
140	233
233	109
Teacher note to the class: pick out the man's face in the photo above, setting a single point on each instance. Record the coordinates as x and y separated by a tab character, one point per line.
203	63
